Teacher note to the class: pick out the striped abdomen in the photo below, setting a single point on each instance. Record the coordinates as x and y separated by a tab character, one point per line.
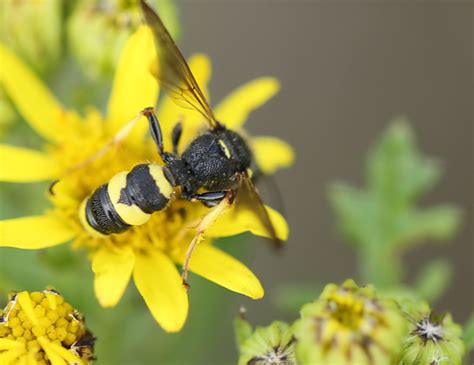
127	200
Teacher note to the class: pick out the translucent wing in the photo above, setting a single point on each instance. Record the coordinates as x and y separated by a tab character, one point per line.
173	72
249	199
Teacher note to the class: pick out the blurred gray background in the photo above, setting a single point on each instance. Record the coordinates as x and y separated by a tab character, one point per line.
347	68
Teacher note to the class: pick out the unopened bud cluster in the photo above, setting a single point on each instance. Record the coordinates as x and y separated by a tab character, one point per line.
349	325
42	327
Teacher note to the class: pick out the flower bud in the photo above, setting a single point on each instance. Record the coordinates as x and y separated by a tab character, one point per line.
432	340
41	328
349	325
272	345
33	30
97	31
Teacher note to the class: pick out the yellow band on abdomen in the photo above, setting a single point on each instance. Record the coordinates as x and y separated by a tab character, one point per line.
130	214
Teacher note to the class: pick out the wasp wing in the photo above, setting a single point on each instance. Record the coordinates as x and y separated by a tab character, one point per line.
173	72
249	199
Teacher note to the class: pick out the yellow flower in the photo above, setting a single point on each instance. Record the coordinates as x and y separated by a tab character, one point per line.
41	328
149	252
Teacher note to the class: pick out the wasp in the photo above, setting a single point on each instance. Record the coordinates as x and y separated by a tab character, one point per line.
214	169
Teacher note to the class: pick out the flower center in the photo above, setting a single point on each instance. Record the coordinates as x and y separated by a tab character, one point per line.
428	331
352	312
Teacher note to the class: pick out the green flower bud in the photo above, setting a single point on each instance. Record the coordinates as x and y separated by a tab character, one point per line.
272	345
33	30
432	340
98	29
349	325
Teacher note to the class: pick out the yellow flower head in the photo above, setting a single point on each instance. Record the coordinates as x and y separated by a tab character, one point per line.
349	325
149	252
41	328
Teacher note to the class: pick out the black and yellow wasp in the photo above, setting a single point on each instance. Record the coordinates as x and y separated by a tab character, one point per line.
214	169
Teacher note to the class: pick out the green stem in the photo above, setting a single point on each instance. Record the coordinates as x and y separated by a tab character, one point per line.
380	266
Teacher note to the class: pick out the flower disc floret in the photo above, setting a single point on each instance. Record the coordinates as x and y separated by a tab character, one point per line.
41	328
348	324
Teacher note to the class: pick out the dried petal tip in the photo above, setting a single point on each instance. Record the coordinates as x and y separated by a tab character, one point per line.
272	345
41	328
349	325
432	340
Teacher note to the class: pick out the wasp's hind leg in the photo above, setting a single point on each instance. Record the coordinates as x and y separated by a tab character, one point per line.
206	222
209	199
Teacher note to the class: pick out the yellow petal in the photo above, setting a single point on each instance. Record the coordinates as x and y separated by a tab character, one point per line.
53	356
237	221
221	268
271	153
65	354
234	110
32	98
27	306
134	86
112	271
35	232
24	165
170	113
7	344
10	356
160	284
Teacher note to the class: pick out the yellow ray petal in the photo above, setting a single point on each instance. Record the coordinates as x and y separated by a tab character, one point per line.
24	165
7	344
65	354
170	113
234	110
112	271
32	98
10	356
27	306
221	268
35	232
134	86
160	284
237	221
54	357
271	153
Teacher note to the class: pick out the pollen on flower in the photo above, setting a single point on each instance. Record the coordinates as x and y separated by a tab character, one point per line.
40	327
349	324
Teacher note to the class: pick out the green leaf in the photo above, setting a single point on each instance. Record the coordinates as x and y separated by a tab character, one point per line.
433	279
468	333
384	219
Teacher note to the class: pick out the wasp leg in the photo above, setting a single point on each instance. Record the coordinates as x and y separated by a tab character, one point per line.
157	135
206	221
176	136
209	199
